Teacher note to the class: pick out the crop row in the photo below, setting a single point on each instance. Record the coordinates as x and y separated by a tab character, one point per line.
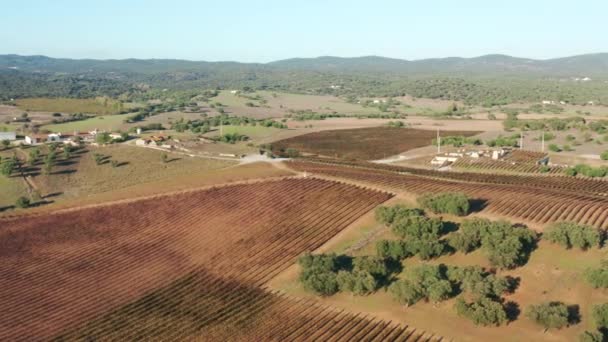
60	270
594	187
205	307
517	201
490	165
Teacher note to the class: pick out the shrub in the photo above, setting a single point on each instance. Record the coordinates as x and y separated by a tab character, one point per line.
549	315
99	158
570	234
454	203
604	155
571	172
554	148
482	311
598	277
292	153
600	315
591	336
22	202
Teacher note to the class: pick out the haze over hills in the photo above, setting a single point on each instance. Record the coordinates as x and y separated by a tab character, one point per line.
583	65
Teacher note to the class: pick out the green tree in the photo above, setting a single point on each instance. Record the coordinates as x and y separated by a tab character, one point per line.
320	282
393	249
571	234
103	138
34	156
600	315
482	311
8	166
591	336
598	277
454	203
549	315
406	292
5	144
358	282
604	155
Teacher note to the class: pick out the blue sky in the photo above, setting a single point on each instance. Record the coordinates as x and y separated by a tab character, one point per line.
262	31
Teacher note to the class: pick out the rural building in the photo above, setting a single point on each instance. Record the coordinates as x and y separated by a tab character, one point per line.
10	136
55	137
33	139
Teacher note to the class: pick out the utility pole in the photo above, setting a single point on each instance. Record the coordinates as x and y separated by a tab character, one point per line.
542	143
521	140
438	142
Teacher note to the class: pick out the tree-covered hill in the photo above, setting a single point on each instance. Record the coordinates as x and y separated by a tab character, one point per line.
488	80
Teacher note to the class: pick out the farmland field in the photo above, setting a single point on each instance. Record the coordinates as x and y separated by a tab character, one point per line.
363	143
79	176
67	105
105	122
121	270
520	201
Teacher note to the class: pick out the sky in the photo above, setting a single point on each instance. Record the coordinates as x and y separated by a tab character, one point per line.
263	31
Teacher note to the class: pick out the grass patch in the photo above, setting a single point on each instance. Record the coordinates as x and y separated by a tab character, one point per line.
100	105
106	122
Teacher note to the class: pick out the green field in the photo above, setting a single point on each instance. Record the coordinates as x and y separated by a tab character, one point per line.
106	122
100	105
253	132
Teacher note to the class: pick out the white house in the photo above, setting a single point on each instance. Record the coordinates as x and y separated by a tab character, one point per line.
10	136
54	137
234	92
33	139
547	102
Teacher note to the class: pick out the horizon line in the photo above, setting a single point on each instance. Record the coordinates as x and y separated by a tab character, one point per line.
302	58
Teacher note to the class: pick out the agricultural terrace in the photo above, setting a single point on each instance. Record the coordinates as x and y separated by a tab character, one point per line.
362	143
119	271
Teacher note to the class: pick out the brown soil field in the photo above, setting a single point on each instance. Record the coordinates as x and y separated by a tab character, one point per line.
362	143
94	262
526	202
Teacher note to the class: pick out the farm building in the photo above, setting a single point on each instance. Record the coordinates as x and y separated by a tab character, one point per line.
33	139
10	136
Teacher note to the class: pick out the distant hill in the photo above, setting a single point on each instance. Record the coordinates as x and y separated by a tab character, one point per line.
590	65
576	66
489	80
